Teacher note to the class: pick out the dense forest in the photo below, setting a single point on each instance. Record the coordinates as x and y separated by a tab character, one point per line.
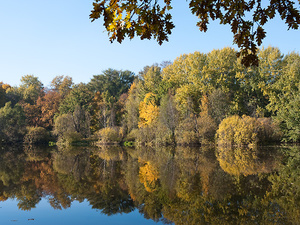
197	99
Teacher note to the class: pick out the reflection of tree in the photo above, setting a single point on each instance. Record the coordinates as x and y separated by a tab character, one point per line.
244	160
111	199
28	196
36	153
72	162
11	167
110	190
148	176
182	185
286	186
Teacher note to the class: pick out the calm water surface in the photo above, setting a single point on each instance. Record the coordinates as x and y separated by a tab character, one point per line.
113	185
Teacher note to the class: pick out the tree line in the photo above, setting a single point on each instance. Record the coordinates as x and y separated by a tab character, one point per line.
196	99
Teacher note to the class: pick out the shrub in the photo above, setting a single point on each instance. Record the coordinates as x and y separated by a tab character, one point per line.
246	130
69	138
37	135
109	135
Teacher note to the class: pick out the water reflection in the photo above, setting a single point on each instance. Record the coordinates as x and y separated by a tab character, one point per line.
247	160
182	185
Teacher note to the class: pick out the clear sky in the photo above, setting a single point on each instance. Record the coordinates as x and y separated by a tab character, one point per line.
56	37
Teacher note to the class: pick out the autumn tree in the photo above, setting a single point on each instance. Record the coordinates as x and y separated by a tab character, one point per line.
149	110
48	106
246	130
152	19
62	85
32	113
206	125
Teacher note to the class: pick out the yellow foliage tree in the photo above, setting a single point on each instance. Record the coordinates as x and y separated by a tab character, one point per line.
149	111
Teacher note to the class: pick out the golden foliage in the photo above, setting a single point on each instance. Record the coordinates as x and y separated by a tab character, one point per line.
148	176
149	111
235	130
246	130
244	160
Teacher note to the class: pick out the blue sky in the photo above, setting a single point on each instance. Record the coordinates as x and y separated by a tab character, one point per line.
56	37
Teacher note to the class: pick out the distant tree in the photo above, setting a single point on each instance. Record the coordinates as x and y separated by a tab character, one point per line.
81	121
149	18
218	105
115	82
2	95
37	135
62	84
132	107
206	123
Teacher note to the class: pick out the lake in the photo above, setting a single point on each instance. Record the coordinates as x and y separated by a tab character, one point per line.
167	185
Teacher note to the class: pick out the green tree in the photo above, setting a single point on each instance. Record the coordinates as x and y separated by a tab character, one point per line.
13	95
12	123
80	95
115	82
31	88
149	18
2	95
132	106
284	96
